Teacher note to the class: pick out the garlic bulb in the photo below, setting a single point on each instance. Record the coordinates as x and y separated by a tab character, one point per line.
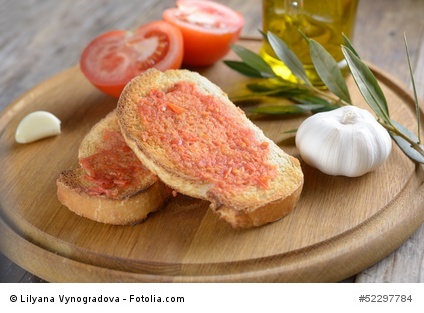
347	141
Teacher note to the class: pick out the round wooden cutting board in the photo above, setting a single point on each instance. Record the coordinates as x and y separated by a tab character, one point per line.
339	227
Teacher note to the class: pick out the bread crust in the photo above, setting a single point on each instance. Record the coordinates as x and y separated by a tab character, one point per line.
130	210
252	207
128	207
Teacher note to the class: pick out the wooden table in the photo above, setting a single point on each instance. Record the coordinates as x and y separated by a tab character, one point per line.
43	37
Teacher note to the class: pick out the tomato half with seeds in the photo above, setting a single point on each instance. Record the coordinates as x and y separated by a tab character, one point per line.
208	28
112	59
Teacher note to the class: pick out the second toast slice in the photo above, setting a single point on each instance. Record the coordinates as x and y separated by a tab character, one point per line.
111	185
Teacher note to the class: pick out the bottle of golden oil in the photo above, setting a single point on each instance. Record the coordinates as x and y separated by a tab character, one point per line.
322	20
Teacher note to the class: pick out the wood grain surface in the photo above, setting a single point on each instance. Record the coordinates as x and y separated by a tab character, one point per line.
46	37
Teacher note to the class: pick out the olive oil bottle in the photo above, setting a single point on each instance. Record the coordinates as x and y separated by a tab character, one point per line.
322	20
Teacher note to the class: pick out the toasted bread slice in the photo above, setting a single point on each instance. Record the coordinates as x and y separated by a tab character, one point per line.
110	185
185	129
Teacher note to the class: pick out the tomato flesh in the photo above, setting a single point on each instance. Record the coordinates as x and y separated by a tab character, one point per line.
112	59
208	29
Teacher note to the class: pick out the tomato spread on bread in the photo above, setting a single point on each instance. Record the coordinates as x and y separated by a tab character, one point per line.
113	170
205	138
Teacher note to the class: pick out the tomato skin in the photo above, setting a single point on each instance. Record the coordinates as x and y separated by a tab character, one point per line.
112	59
205	43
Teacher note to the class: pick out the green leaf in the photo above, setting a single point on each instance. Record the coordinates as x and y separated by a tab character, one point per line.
311	98
349	45
285	109
325	108
290	93
270	85
254	60
404	145
277	89
367	84
281	91
246	97
328	71
324	104
272	88
311	107
417	106
267	88
244	69
285	54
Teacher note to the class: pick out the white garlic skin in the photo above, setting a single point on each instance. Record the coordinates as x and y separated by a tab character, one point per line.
344	142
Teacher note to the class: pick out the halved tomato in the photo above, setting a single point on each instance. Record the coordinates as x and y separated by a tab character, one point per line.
112	59
208	29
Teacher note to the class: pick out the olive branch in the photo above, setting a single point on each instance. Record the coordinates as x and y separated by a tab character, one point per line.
308	98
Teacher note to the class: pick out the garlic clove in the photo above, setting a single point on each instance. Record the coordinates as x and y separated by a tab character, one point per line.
37	125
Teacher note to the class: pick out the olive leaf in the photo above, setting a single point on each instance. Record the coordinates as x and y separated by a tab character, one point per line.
407	141
285	109
349	45
290	91
417	107
415	152
264	89
279	91
244	69
254	61
285	54
367	85
328	70
270	85
322	104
